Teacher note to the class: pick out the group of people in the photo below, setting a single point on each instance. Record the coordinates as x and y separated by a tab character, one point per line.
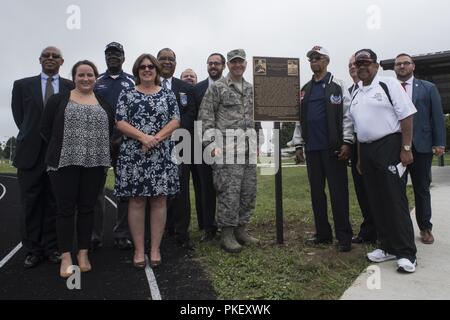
71	132
385	126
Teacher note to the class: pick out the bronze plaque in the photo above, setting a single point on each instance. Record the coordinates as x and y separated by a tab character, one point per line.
276	84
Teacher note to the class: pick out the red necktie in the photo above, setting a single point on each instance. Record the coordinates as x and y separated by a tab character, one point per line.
404	85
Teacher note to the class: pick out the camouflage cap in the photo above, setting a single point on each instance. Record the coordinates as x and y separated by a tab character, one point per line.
236	53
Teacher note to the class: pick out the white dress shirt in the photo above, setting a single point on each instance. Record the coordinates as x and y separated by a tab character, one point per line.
55	83
409	86
169	82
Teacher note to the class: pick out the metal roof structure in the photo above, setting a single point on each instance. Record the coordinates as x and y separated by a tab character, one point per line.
434	67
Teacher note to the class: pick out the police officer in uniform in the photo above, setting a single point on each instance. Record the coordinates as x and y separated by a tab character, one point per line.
382	114
228	104
109	86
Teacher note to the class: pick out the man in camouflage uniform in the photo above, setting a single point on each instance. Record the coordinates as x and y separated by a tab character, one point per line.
227	107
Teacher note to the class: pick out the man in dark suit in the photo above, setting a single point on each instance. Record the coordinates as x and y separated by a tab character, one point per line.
428	138
179	208
29	96
206	214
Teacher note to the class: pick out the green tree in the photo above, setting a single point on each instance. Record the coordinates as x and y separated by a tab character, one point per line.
447	125
286	132
10	146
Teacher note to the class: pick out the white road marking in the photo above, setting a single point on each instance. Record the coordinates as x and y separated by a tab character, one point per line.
4	191
19	246
151	279
10	255
112	202
154	290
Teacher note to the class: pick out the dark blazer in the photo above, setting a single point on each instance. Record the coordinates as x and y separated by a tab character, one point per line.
27	105
199	92
188	110
429	123
52	126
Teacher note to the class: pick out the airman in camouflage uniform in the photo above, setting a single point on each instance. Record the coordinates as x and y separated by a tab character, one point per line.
228	104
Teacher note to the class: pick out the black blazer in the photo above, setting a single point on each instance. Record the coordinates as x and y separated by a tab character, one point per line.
27	105
188	110
199	92
52	125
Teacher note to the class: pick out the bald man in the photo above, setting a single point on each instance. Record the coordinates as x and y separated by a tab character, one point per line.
189	76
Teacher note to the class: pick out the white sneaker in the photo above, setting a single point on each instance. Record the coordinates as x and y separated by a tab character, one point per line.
406	266
379	255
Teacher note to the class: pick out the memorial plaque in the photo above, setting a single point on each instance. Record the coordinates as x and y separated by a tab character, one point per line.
276	84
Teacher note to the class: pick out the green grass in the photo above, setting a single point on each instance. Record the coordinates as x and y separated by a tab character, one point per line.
5	167
291	270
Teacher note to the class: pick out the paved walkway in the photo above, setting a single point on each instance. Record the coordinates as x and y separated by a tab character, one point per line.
432	277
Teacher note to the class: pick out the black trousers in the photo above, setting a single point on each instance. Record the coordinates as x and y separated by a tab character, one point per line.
76	189
420	171
387	196
121	228
367	229
324	165
38	228
207	197
179	207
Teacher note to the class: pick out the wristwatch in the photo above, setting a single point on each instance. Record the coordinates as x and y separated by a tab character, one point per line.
406	147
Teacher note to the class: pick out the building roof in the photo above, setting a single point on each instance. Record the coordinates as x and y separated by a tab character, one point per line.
432	60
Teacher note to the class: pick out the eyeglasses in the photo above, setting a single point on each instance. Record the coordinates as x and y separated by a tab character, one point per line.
47	55
363	63
146	66
406	64
215	64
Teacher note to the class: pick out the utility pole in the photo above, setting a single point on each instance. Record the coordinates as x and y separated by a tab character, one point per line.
10	151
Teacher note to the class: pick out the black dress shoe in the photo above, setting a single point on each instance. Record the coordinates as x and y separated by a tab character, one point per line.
96	244
31	261
54	257
344	247
360	240
123	244
315	241
186	244
208	236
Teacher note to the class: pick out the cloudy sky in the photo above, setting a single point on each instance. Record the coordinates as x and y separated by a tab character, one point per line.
196	28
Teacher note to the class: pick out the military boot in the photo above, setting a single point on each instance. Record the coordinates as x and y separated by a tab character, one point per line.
242	235
228	242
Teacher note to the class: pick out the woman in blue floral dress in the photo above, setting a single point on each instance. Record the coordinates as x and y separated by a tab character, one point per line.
146	168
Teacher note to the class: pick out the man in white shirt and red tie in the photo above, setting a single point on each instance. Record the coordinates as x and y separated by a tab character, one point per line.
382	115
428	138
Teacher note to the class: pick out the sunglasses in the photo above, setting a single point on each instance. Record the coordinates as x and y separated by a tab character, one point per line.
146	66
47	55
363	63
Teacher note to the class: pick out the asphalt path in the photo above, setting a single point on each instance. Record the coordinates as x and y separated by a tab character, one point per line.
112	275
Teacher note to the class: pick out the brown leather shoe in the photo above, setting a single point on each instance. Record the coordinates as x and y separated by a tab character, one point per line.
426	237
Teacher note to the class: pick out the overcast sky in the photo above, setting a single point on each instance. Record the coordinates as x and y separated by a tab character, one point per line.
196	28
